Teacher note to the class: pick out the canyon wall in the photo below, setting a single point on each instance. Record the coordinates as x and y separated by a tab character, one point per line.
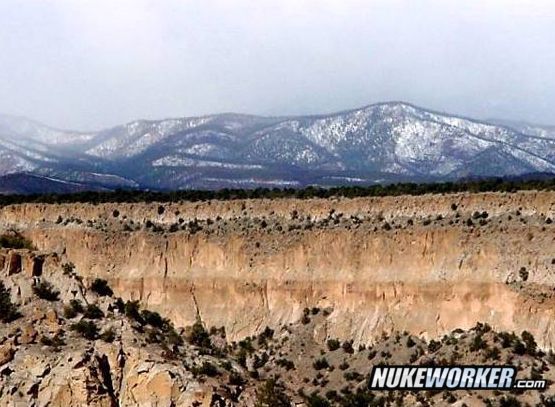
425	264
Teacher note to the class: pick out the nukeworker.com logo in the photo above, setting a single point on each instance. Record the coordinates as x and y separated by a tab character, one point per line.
475	377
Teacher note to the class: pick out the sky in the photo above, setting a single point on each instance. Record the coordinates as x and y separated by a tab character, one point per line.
91	64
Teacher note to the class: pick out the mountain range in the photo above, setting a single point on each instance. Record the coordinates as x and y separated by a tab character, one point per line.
379	143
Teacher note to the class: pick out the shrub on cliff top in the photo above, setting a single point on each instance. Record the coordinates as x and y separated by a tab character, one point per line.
523	273
530	342
8	310
320	364
348	347
333	344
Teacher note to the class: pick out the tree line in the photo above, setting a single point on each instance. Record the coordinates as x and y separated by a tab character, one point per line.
136	196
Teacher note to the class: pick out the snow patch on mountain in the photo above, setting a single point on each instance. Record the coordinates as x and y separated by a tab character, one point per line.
176	161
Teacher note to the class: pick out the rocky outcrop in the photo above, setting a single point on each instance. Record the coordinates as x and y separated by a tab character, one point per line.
85	346
44	361
425	264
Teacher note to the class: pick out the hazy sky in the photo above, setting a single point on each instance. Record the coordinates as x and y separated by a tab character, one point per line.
92	64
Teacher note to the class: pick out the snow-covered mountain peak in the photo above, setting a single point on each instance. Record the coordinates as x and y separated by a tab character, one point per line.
389	141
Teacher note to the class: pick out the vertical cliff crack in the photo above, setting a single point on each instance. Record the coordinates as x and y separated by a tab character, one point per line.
106	377
265	302
428	240
164	280
195	303
121	367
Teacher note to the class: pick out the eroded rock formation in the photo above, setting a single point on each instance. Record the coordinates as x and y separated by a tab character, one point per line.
425	264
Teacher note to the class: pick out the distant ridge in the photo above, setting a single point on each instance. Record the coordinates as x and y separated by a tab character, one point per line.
23	184
380	143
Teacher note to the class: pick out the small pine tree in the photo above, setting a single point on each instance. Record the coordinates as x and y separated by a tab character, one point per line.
8	310
272	394
46	291
198	336
87	329
101	288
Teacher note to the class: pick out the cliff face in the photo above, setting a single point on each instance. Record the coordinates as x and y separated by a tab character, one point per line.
43	362
425	264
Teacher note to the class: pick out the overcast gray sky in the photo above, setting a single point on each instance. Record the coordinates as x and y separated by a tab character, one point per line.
92	64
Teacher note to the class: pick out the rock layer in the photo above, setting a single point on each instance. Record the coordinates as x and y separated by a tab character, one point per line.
404	263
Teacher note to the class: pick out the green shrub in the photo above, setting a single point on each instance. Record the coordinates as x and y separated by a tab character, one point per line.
8	310
101	288
305	318
333	344
73	309
93	312
260	361
87	329
285	363
509	401
507	339
119	305
153	319
235	379
348	347
56	341
350	376
320	364
530	343
265	335
272	394
477	344
15	240
523	273
46	291
172	337
68	268
198	336
132	311
434	345
519	348
315	400
492	353
109	335
206	369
